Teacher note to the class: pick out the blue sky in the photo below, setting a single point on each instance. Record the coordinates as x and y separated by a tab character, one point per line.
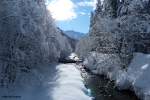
72	14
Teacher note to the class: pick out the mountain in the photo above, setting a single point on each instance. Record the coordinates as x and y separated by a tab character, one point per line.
74	34
72	41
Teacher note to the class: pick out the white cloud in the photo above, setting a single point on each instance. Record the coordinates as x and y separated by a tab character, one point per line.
88	3
82	13
62	10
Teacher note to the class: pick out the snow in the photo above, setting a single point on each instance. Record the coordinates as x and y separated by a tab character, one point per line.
74	56
70	84
54	82
127	32
138	75
104	64
135	77
29	29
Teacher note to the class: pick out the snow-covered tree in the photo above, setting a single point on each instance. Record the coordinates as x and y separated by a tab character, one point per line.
110	7
28	38
117	24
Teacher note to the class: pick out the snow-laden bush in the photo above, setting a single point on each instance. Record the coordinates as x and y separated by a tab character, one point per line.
136	78
104	64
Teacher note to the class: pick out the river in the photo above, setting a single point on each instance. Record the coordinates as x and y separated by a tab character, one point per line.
104	89
74	83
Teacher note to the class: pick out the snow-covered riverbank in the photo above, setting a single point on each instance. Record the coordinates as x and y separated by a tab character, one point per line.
57	82
69	84
135	77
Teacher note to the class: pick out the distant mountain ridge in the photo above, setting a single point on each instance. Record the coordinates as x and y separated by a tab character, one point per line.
74	35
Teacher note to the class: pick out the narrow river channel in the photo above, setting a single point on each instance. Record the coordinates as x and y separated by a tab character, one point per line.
104	89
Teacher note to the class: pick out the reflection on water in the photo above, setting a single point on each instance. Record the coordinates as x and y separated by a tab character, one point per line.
103	89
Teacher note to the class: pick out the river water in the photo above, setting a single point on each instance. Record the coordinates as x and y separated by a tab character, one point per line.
104	89
74	83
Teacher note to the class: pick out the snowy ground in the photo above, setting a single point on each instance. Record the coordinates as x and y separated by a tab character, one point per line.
59	82
69	84
135	77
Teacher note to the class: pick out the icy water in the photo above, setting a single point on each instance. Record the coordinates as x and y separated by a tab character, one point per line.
104	89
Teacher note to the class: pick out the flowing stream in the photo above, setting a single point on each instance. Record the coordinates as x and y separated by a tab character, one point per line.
104	89
74	83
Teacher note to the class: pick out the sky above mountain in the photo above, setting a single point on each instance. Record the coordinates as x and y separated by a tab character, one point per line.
72	14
